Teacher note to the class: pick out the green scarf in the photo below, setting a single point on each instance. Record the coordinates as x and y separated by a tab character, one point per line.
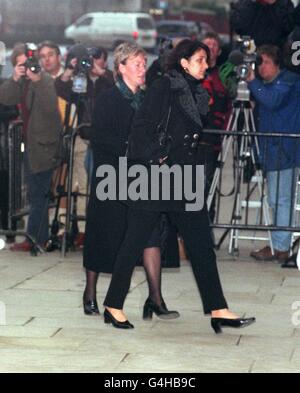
135	99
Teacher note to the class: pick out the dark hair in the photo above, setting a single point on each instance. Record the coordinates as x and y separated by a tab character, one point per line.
212	36
18	50
98	52
273	52
185	50
49	44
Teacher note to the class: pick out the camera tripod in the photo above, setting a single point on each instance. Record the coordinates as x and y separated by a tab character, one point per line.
240	137
64	180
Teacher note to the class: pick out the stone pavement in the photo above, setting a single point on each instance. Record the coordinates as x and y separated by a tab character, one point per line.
46	330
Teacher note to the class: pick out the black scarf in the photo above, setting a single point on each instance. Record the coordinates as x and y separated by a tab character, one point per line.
193	98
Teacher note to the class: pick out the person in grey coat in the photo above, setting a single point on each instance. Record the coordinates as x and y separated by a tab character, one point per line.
35	94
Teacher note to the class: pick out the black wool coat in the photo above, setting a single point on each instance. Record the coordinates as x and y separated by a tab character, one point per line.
107	221
185	144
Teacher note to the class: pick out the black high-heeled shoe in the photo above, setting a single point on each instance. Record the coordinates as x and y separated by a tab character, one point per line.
91	308
218	323
160	311
110	319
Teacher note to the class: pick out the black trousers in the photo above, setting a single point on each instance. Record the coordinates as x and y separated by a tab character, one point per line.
194	228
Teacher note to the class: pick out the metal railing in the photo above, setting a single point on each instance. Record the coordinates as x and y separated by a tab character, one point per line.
17	187
242	174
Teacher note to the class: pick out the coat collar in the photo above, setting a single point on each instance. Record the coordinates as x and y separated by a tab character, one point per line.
194	106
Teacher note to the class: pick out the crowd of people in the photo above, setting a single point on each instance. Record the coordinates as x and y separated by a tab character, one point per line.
183	90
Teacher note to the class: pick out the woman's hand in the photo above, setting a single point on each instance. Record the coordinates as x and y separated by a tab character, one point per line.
162	160
251	76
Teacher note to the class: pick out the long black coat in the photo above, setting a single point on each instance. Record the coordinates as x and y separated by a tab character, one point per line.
187	146
185	133
107	221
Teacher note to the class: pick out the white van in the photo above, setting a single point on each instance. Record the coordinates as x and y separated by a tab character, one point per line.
109	29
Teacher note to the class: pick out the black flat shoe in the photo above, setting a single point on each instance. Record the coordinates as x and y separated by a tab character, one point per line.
218	323
160	311
91	308
110	319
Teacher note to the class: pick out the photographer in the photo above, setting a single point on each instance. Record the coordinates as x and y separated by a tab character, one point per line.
266	21
99	79
50	59
220	103
158	67
276	93
34	91
219	110
93	64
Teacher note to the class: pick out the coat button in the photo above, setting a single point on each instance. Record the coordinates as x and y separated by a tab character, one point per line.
194	145
186	137
196	137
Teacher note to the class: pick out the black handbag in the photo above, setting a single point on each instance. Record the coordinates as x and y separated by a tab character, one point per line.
151	148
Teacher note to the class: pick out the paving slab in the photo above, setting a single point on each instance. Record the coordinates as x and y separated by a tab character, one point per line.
46	330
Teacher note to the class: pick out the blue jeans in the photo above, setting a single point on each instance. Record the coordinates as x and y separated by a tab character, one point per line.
281	196
38	189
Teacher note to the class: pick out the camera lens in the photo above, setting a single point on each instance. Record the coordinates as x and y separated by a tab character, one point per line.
243	71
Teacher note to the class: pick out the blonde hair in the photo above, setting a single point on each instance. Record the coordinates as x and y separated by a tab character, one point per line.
123	52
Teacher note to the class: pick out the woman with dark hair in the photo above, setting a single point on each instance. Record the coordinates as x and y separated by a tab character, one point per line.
178	94
107	220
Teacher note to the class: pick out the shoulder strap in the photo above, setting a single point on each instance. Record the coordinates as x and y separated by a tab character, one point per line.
163	130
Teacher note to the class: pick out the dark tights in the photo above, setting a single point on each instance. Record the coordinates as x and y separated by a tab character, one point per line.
152	266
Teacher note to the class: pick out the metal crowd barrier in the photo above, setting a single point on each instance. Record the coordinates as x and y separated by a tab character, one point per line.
240	176
12	153
18	207
238	188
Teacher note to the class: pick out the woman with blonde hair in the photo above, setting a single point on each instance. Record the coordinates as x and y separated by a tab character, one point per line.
107	220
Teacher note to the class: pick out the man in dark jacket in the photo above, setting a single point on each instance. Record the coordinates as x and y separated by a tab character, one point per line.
35	93
266	21
98	79
277	94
